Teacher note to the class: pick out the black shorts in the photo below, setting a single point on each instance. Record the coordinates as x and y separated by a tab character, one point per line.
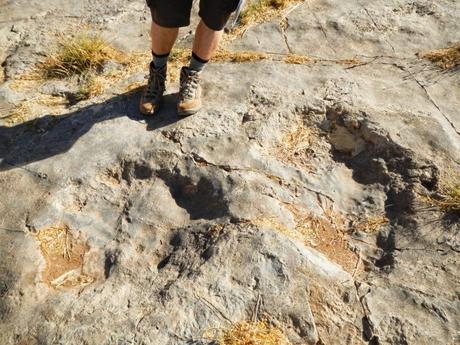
176	13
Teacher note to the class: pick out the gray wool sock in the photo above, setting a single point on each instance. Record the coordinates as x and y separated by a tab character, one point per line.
160	60
197	63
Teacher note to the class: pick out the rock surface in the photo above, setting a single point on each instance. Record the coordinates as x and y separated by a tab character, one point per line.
188	225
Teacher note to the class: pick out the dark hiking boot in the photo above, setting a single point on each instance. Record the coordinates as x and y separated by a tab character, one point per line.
153	92
189	93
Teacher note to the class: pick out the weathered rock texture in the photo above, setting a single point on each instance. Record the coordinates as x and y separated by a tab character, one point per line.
189	225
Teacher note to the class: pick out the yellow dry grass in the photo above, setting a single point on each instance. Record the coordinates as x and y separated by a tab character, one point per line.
298	59
239	56
253	333
296	146
179	57
262	10
256	12
447	58
326	233
28	81
24	111
371	224
63	254
20	113
448	197
80	54
91	86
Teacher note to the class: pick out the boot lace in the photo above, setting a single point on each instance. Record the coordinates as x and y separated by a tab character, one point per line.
155	83
189	85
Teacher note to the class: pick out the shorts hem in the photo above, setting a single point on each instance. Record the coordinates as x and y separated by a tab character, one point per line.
174	25
210	24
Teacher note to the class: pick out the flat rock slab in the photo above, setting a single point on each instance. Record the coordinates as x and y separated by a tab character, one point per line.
191	224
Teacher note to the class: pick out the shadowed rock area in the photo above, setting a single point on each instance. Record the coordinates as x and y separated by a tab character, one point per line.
295	196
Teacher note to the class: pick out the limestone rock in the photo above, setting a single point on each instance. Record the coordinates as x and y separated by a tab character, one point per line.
293	196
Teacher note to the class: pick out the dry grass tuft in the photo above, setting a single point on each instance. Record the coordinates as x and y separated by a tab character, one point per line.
78	55
296	146
371	224
63	254
448	197
253	333
298	59
262	10
90	86
239	56
18	114
447	58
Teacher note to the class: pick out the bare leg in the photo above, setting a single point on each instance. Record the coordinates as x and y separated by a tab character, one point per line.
206	41
163	38
162	42
204	46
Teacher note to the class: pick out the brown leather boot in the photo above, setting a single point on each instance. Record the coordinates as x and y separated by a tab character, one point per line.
153	92
189	93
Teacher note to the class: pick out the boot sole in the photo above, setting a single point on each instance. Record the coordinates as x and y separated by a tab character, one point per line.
184	113
155	110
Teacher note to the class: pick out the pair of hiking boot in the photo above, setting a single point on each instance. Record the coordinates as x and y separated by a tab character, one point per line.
189	91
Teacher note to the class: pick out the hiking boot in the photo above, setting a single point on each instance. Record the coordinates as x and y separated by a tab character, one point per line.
153	92
189	93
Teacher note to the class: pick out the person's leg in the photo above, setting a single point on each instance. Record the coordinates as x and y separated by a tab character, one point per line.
206	41
163	40
204	45
214	15
167	17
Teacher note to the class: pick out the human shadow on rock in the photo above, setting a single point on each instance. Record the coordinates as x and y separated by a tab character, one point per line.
51	135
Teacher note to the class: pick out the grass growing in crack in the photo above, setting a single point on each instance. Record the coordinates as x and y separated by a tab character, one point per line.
298	59
239	56
180	57
78	55
447	58
253	333
448	196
